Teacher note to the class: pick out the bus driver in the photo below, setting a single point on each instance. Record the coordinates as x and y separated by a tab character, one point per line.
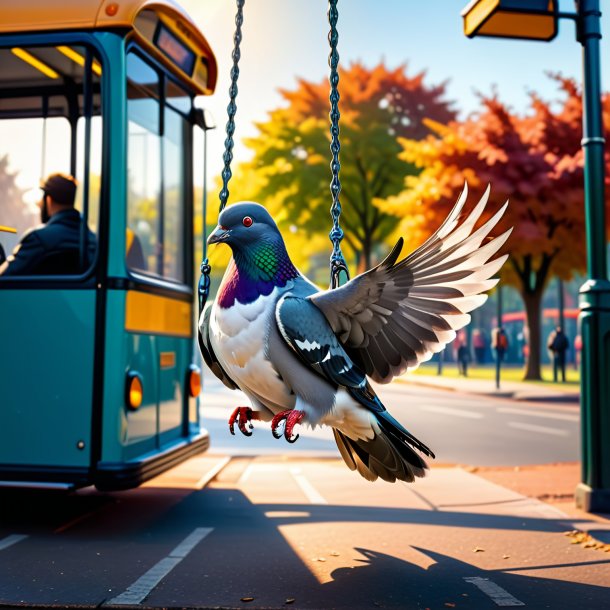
53	248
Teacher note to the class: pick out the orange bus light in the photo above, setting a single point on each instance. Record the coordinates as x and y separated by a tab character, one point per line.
134	390
194	381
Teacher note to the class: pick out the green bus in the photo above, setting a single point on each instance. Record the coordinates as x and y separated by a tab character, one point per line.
98	377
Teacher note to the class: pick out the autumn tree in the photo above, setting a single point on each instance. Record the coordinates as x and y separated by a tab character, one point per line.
535	162
291	151
13	212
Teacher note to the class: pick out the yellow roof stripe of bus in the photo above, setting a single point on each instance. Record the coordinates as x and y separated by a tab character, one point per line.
157	315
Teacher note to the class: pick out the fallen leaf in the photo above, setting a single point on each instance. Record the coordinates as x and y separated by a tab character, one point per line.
335	554
247	599
290	600
321	559
478	549
505	556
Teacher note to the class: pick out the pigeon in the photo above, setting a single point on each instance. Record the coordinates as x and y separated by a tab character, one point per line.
302	355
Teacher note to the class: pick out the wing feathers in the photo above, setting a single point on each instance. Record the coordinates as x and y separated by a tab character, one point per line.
395	316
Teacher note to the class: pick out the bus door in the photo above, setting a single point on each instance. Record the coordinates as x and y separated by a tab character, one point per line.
50	117
159	246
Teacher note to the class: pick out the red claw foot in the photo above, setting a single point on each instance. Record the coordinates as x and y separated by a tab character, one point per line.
292	417
243	416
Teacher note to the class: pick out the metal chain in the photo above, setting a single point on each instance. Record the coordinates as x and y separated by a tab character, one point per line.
232	107
203	288
339	272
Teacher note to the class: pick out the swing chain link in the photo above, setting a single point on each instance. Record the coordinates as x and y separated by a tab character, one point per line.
232	107
338	267
203	288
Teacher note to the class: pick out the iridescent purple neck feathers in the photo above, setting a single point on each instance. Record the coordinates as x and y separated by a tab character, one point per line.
255	272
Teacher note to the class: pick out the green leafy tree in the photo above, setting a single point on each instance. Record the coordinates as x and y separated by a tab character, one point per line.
292	156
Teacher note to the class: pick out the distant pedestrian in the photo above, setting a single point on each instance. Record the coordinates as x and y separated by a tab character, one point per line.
463	358
479	344
558	345
499	343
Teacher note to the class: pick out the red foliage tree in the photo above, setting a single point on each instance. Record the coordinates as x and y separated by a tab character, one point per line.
534	161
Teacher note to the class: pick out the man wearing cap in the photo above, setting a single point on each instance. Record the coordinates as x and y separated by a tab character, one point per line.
54	248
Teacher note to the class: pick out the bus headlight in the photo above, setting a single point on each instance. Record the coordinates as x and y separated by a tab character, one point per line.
193	381
134	391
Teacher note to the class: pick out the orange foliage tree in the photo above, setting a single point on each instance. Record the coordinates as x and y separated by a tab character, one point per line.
534	161
292	157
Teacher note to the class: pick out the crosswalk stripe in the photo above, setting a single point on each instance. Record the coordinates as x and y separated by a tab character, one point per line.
500	596
532	413
311	493
534	428
11	540
142	587
452	411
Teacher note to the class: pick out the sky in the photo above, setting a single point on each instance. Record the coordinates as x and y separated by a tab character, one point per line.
287	39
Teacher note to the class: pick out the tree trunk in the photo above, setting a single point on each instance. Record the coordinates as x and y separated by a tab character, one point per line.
533	312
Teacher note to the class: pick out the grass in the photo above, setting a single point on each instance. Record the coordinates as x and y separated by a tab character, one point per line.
508	373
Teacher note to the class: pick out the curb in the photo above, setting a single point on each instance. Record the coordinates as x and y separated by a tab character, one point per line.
517	395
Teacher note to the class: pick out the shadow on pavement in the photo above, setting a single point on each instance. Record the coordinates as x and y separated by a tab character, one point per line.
247	555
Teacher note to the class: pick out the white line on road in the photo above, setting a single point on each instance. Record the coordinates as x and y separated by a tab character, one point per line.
312	494
142	587
452	411
208	476
533	428
562	416
500	596
10	540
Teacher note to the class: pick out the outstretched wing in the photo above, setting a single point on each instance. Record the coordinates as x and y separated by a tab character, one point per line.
396	315
203	337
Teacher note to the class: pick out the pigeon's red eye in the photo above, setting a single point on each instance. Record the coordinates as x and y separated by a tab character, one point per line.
247	221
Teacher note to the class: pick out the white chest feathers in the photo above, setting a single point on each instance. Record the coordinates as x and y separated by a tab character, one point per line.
239	338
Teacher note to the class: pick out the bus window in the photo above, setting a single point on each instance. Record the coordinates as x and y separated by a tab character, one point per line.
46	97
156	173
173	189
143	166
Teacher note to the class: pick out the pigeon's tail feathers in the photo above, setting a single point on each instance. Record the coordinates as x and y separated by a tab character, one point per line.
382	457
366	396
389	455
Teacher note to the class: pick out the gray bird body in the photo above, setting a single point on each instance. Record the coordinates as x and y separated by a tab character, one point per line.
289	346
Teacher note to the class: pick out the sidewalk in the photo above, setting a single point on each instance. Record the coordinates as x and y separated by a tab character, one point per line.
517	390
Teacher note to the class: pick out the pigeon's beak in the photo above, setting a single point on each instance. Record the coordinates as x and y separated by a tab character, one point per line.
220	234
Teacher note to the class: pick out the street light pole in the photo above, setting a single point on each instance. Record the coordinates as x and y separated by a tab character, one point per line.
593	493
537	20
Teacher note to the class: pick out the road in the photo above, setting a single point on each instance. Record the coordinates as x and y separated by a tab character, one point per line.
460	428
273	532
294	527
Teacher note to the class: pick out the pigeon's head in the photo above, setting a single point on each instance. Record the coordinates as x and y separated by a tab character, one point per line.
243	225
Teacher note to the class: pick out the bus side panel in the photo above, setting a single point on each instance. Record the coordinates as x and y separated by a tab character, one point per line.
175	355
46	368
127	433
